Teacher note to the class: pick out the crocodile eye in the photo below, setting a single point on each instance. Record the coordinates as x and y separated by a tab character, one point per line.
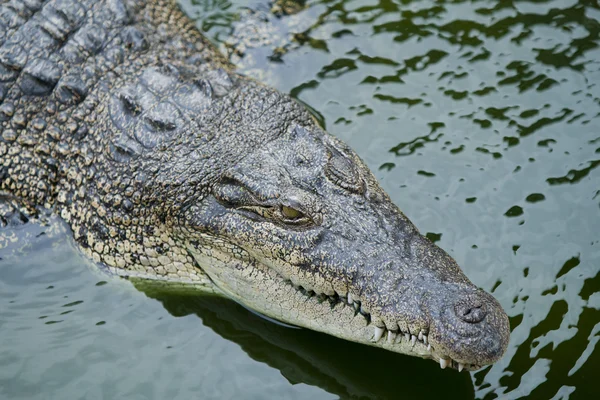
291	213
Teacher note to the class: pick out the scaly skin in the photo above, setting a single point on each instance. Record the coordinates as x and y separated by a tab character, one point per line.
120	117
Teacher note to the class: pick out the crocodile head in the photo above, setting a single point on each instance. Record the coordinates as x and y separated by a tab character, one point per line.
283	218
300	231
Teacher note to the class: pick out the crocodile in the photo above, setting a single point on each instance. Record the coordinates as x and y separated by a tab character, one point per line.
168	166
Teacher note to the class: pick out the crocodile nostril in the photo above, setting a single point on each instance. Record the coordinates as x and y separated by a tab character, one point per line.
468	311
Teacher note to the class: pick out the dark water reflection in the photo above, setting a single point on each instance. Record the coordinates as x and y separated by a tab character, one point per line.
346	369
481	120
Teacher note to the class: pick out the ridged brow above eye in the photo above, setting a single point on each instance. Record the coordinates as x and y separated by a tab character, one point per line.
235	194
341	171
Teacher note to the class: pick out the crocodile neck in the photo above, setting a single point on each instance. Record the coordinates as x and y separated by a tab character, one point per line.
59	60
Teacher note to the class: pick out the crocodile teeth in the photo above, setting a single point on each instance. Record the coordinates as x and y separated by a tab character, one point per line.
421	336
428	347
391	336
378	333
413	339
350	299
444	363
356	306
425	339
460	367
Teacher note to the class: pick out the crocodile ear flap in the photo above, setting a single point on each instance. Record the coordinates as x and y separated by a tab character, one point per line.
233	193
235	189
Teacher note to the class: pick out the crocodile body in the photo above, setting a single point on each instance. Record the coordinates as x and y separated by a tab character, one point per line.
119	116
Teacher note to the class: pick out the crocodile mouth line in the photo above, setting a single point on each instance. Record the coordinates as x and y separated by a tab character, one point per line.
386	338
390	337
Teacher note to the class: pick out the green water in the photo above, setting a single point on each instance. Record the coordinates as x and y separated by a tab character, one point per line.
482	121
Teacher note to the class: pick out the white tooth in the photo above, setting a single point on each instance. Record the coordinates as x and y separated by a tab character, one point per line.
356	307
460	366
443	363
407	336
428	347
425	339
350	300
421	336
391	336
378	333
413	339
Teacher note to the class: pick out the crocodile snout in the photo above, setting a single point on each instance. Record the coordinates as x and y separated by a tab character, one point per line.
470	309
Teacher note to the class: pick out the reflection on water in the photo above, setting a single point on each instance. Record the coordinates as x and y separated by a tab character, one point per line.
346	369
481	120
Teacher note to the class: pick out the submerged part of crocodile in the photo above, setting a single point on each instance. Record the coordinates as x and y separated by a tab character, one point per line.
120	117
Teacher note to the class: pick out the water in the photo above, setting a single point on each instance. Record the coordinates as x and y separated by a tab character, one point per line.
481	120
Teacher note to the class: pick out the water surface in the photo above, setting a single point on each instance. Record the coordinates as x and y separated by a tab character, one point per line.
480	119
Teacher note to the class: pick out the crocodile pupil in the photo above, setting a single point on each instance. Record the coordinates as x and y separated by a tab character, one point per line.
290	213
